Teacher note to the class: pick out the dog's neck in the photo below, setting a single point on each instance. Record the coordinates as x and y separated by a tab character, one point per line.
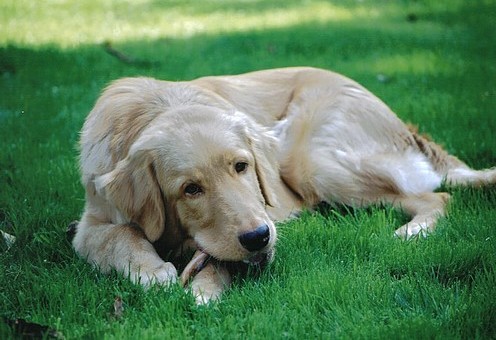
289	204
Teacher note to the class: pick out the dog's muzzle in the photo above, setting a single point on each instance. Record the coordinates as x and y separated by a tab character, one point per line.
260	259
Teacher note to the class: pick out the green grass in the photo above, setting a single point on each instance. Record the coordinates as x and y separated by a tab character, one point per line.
337	274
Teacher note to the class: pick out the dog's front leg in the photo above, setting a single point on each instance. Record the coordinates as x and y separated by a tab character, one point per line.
208	278
209	284
123	247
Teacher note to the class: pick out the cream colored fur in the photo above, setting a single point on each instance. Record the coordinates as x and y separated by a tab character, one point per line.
306	135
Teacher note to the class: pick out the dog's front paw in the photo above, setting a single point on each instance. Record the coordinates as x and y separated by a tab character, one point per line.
412	230
209	283
165	274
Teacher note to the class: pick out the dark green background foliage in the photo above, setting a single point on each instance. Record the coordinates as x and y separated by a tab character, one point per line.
337	273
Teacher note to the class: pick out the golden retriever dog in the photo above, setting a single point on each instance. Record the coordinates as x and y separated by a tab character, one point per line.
211	165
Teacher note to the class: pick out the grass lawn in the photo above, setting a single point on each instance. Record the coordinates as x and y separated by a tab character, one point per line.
337	274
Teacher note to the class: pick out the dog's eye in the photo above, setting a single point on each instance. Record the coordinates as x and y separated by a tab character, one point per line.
193	189
240	167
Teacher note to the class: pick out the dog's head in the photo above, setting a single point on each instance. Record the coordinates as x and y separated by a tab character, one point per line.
205	171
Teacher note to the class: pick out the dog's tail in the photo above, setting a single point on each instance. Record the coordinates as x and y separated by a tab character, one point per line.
455	171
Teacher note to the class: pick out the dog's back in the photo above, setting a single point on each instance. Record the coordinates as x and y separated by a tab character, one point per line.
340	143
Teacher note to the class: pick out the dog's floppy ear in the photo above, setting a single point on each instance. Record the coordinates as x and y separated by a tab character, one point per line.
134	190
264	149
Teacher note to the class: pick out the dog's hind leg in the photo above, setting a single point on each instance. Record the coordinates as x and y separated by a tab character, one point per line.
455	171
425	210
468	176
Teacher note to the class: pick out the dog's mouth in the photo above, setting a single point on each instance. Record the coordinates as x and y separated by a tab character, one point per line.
257	261
260	259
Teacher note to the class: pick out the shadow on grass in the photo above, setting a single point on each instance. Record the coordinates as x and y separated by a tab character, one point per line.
208	7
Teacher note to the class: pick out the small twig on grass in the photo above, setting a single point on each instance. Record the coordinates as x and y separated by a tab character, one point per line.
118	307
126	59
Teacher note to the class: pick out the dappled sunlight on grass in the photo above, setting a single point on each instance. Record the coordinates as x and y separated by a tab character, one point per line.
414	63
70	23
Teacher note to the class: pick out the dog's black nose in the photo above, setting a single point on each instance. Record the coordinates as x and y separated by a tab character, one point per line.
257	239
